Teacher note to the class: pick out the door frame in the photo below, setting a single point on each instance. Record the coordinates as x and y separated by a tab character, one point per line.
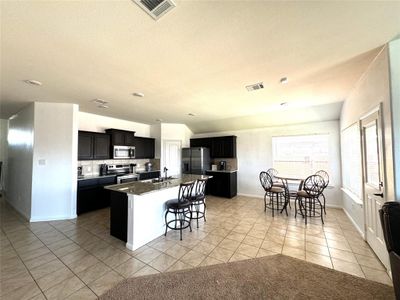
382	167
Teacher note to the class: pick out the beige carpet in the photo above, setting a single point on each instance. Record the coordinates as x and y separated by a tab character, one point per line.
271	277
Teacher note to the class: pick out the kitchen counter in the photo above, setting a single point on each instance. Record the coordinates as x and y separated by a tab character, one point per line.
85	177
146	186
223	171
137	209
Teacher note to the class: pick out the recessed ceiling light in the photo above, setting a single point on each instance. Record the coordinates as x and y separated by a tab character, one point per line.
138	94
191	114
283	80
159	120
102	106
284	103
33	82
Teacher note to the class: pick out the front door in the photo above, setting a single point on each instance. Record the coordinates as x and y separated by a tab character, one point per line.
373	183
172	157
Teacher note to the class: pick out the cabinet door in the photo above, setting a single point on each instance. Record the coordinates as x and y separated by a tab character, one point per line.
101	146
217	148
149	147
202	142
140	147
129	139
118	138
85	145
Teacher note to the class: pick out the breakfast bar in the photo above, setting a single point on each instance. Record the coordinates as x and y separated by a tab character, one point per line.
137	208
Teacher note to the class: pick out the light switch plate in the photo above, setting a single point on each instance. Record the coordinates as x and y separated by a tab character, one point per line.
42	162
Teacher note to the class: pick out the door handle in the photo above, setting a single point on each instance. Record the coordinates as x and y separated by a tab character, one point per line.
379	194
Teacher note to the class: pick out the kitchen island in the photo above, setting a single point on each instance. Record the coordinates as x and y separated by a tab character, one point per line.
137	208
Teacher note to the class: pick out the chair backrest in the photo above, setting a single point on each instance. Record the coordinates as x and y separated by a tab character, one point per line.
314	185
266	181
324	175
200	187
185	191
272	172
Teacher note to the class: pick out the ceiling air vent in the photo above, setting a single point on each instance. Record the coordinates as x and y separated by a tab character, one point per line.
254	87
155	8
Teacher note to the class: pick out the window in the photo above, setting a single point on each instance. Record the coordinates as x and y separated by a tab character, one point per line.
351	160
300	156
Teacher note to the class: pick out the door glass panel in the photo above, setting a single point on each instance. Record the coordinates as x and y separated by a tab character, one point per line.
372	158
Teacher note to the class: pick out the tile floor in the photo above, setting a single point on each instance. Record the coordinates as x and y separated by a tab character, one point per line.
78	259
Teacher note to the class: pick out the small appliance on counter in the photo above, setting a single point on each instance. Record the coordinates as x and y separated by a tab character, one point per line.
214	167
103	169
222	165
80	171
148	166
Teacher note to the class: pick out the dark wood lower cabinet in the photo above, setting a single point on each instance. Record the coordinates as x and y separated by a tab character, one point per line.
119	215
223	184
148	175
92	195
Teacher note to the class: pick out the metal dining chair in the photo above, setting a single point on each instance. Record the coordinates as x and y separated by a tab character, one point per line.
273	173
308	198
325	176
274	193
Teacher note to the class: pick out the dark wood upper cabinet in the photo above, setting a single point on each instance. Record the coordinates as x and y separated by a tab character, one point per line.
85	145
93	145
121	137
144	147
220	147
101	147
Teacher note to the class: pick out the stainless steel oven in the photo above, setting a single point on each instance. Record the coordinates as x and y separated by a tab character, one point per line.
120	152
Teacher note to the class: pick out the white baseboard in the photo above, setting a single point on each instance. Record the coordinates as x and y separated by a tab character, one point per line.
354	223
52	218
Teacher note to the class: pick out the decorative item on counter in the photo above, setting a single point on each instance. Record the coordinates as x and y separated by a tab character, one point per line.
103	169
148	166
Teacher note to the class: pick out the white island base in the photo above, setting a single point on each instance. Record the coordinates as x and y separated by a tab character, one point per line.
146	216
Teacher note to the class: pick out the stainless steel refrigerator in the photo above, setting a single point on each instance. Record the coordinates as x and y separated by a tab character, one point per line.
195	160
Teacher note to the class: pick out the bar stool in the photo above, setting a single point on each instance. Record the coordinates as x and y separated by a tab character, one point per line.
198	201
180	208
273	173
272	191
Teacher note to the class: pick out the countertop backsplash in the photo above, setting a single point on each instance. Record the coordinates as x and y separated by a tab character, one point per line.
231	163
92	167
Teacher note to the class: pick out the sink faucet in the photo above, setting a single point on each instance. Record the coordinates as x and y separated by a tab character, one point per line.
165	172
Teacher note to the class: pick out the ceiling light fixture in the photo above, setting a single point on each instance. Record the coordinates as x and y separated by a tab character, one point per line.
284	103
159	120
191	114
33	82
102	106
99	101
254	87
283	80
138	94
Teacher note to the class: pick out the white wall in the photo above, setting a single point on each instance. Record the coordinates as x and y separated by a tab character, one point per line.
20	157
97	123
3	152
371	90
42	151
55	145
394	59
254	154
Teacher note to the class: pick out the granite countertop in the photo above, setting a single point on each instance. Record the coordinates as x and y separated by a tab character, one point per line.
143	187
144	171
222	171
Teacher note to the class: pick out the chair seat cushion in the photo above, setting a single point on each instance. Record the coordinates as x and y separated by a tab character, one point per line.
304	194
174	203
276	189
278	184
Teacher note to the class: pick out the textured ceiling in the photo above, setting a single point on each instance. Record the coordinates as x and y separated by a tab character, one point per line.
196	59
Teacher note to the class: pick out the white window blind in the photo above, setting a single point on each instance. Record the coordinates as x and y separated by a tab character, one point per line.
300	156
351	160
